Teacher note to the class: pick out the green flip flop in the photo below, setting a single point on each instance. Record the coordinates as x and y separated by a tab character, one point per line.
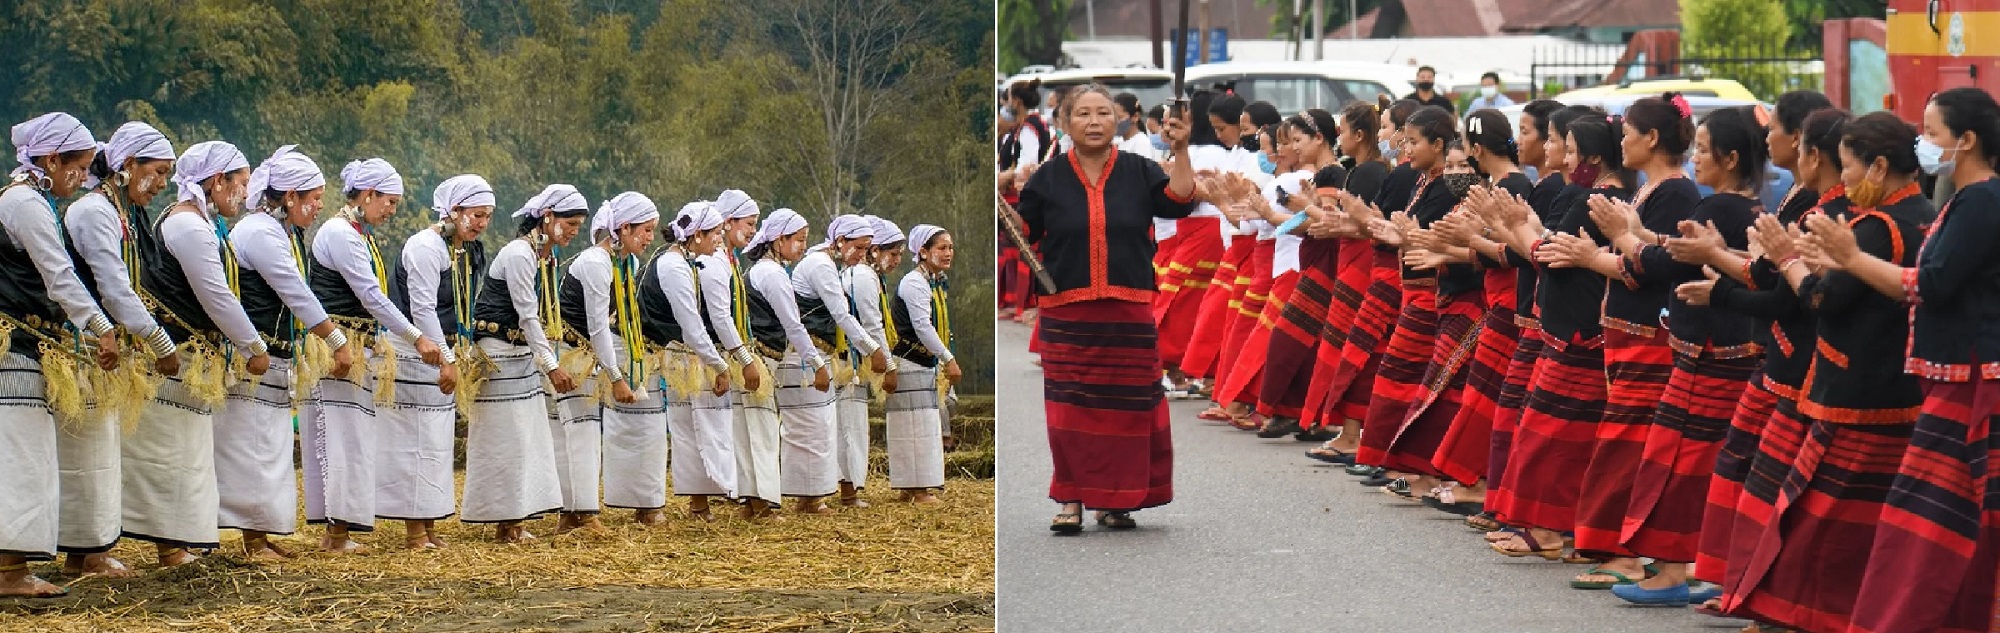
1598	585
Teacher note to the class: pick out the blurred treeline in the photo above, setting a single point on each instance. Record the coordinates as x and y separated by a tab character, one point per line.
822	106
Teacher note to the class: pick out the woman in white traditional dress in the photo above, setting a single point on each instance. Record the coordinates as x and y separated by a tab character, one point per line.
435	282
781	338
170	485
510	457
39	294
728	306
625	438
696	374
870	304
811	468
340	431
923	343
256	483
130	170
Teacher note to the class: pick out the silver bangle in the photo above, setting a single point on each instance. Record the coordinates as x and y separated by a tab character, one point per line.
161	343
742	355
549	364
614	374
337	339
947	358
255	348
449	356
97	325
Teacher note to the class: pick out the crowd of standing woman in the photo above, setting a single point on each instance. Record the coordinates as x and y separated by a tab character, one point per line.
1777	414
156	362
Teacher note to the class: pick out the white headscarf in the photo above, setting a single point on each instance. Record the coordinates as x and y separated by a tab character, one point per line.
735	205
285	170
201	162
846	226
886	232
783	222
52	133
133	140
465	190
374	174
920	235
695	217
623	210
553	198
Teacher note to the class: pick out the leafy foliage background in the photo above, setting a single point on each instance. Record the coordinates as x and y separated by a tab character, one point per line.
822	106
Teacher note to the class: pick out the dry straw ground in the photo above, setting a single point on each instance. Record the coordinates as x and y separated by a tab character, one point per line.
892	567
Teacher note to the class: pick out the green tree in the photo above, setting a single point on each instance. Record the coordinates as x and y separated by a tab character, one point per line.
1032	32
1722	28
1808	15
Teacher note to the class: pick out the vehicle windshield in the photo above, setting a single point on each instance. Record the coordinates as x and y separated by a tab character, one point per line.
1151	92
1297	93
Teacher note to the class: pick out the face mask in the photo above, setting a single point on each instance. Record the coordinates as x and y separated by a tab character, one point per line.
1425	86
1158	143
1585	175
1007	113
1868	194
1931	156
1124	128
1264	163
1489	91
1460	183
1388	150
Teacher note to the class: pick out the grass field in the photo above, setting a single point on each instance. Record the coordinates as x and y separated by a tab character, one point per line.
892	567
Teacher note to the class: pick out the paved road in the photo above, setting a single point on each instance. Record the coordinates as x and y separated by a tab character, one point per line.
1261	539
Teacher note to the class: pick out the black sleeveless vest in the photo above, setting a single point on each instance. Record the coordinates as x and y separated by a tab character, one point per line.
658	321
908	345
144	243
470	257
22	294
495	310
817	318
266	309
572	309
764	324
334	295
163	278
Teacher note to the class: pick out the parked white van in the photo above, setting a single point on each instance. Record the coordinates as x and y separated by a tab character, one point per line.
1152	85
1296	86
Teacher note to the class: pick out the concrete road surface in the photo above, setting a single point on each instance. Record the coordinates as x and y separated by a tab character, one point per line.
1259	538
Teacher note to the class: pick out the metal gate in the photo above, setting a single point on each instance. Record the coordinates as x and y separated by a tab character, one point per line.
1766	71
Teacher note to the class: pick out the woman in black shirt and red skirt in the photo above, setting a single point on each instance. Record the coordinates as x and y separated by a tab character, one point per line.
1090	216
1354	264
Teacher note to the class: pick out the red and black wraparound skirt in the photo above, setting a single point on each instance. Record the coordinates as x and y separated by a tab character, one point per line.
1670	490
1636	369
1507	411
1777	446
1934	555
1732	466
1107	411
1350	391
1468	446
1441	393
1353	285
1557	433
1249	308
1399	378
1288	360
1213	318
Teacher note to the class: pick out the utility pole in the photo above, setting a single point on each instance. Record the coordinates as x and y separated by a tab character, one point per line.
1159	61
1353	22
1201	54
1298	30
1090	17
1319	30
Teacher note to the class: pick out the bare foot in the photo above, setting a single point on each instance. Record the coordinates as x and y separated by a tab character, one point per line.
702	514
99	564
436	541
418	542
853	502
341	545
264	553
176	557
650	518
17	582
814	507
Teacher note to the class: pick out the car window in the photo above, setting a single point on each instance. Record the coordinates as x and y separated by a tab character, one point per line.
1295	94
1151	92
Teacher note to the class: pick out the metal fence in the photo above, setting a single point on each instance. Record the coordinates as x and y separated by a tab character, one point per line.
1767	71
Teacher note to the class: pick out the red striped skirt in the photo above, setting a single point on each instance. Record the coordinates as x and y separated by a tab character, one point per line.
1249	305
1005	281
1352	278
1288	360
1732	465
1441	394
1636	369
1804	570
1107	412
1507	412
1163	258
1468	445
1212	319
1670	490
1938	546
1558	430
1191	266
1399	379
1349	392
1777	446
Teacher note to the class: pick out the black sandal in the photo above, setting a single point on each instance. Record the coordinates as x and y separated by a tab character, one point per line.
1063	525
1117	520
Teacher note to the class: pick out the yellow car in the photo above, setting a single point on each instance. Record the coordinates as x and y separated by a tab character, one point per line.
1719	88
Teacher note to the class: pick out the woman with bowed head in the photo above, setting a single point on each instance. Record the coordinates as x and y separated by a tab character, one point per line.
435	282
722	419
610	429
510	456
350	277
1089	214
868	299
256	482
921	317
780	338
698	444
1933	559
170	482
39	290
810	468
130	171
